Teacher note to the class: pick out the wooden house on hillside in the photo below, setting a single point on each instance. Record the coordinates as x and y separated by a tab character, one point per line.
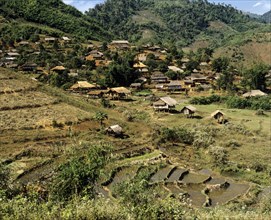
158	77
165	104
175	69
254	93
58	69
189	111
119	93
219	116
173	86
119	45
83	86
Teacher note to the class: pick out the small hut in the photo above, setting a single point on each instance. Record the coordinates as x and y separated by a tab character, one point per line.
219	116
189	111
254	93
114	130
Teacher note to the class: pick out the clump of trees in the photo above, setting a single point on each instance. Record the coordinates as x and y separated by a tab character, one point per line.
79	175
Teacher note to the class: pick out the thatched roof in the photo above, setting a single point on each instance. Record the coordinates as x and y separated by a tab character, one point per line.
175	69
216	113
120	42
58	68
159	103
83	85
189	107
115	128
121	90
135	85
169	101
254	93
174	83
139	65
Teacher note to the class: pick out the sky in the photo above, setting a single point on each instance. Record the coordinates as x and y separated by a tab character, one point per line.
253	6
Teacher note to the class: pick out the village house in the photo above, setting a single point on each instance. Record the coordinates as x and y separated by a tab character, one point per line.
219	116
82	86
49	39
142	57
165	104
66	39
198	78
119	93
97	94
58	69
175	69
254	93
174	86
158	77
23	43
119	44
136	86
189	111
29	67
94	55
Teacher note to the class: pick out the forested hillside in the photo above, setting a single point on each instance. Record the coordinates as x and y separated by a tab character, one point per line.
267	17
53	13
179	21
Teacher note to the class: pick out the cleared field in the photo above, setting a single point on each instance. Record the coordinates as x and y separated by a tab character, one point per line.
25	100
16	85
32	118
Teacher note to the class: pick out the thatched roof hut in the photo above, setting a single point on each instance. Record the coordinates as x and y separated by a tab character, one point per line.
254	93
82	85
219	116
165	103
114	130
188	110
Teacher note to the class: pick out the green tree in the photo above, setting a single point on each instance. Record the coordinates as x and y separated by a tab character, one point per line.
254	78
220	64
100	116
79	175
226	80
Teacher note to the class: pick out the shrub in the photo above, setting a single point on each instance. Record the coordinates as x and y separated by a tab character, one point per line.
78	176
182	135
206	100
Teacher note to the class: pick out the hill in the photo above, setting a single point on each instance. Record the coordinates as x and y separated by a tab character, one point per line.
267	17
169	21
54	14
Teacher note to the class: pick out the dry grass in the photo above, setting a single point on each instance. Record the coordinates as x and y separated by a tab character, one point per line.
25	99
32	118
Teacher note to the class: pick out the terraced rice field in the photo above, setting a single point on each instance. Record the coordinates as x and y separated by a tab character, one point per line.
189	186
29	136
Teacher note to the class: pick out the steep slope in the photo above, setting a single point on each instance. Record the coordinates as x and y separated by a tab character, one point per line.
55	14
266	17
159	20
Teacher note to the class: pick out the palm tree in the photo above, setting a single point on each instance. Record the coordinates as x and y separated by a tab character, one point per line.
100	116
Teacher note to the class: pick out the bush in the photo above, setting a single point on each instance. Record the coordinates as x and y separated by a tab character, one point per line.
182	135
78	176
206	100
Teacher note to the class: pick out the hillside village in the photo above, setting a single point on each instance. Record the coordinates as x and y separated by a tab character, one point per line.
80	68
